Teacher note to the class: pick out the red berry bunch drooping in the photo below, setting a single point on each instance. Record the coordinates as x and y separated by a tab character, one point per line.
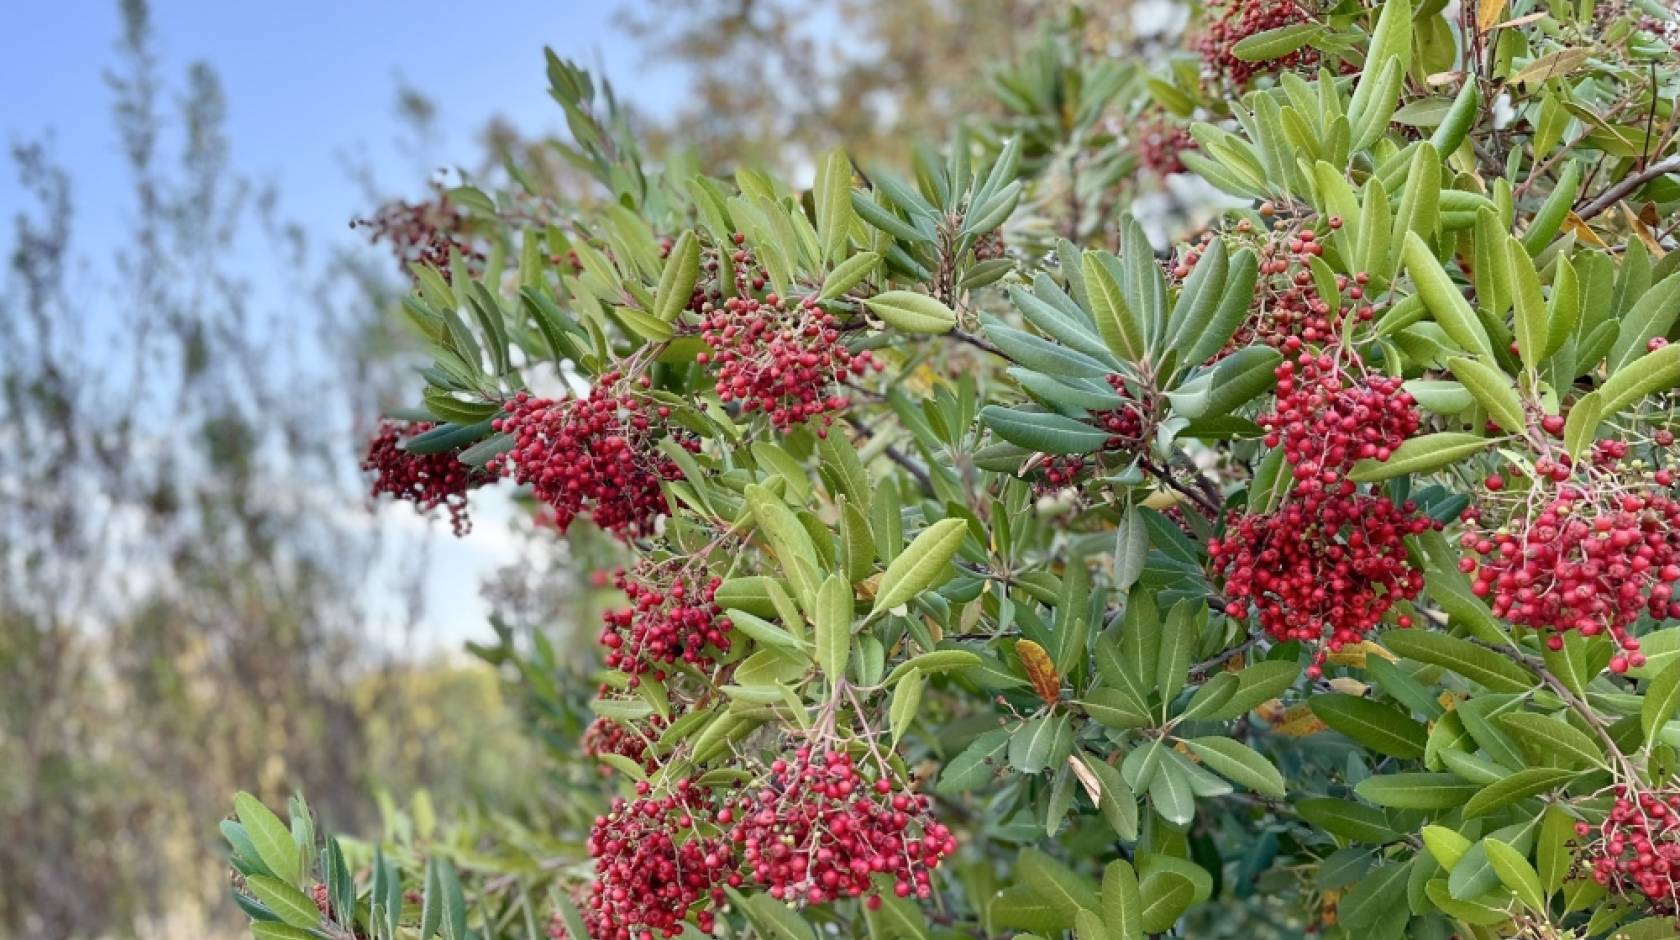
633	743
1636	849
1289	311
671	618
1324	568
819	830
1588	561
782	357
656	858
1326	418
1232	21
425	233
595	456
1158	140
427	480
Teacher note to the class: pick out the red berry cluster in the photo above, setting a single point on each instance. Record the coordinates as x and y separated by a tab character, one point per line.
655	858
1326	418
1159	140
606	736
1231	21
1324	568
781	357
819	830
1584	562
1288	311
424	232
1637	847
427	480
1126	428
671	618
593	456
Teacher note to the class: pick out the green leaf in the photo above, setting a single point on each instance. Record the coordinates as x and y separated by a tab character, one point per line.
919	566
676	280
934	661
1378	891
1656	371
1420	455
832	195
834	626
1580	429
1662	698
1122	902
1552	736
773	919
1493	389
1114	708
1346	819
1066	892
1238	763
910	312
1426	791
272	838
1480	665
1521	785
1117	322
906	698
1029	746
1116	801
1236	380
273	930
848	274
1377	726
1042	431
1516	873
1259	683
1391	39
1442	297
1170	792
975	765
1178	645
1212	695
1019	907
1530	305
1276	43
1446	845
1166	896
285	901
1088	926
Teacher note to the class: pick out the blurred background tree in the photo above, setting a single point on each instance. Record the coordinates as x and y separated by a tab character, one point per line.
184	601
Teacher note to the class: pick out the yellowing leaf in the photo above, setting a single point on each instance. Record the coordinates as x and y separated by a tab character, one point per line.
1041	671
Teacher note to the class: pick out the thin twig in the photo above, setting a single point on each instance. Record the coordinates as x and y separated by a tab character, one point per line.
1615	193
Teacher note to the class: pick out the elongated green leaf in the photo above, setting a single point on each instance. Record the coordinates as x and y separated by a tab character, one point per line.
284	900
1379	727
1441	296
1662	699
1420	455
677	278
1238	763
910	312
848	274
1276	43
1346	819
1478	664
919	566
1656	371
1521	785
272	838
1516	874
833	617
1043	431
935	661
1067	892
1426	791
1493	389
1122	902
1580	428
1552	736
832	195
906	698
1166	896
1117	323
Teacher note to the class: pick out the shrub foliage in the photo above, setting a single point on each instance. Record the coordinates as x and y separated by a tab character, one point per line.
992	570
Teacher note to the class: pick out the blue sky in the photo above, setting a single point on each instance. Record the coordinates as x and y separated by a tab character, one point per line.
310	84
